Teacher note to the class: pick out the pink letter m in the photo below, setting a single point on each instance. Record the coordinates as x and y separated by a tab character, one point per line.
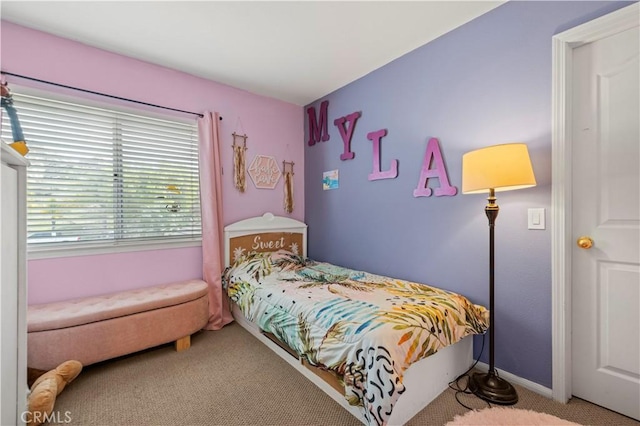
318	128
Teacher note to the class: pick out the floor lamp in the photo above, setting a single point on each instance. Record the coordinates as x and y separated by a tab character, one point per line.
491	169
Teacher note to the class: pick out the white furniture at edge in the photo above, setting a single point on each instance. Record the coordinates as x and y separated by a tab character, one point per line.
13	289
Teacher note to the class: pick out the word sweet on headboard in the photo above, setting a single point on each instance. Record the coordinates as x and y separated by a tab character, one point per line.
265	242
433	156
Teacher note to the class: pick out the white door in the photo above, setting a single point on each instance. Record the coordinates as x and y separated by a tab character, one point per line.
606	208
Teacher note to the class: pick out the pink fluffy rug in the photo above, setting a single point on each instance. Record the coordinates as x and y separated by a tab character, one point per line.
501	416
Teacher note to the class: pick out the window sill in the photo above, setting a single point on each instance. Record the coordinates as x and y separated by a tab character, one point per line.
91	249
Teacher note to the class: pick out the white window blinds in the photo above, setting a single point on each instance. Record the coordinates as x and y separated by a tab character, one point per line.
106	176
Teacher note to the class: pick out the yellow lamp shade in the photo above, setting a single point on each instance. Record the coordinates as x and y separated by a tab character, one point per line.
499	167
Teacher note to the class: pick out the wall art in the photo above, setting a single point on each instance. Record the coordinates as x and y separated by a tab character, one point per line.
318	128
434	156
330	180
346	133
239	147
264	172
287	171
376	173
346	125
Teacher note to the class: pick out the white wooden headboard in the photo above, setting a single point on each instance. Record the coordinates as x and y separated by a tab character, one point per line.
264	233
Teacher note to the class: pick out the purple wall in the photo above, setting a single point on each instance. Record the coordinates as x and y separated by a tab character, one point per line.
485	83
274	128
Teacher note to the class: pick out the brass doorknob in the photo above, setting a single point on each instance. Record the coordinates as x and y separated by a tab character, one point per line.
585	242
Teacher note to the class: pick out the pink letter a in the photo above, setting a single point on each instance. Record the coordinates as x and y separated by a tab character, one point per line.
440	171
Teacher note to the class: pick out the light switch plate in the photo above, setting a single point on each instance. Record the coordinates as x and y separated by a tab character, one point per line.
536	219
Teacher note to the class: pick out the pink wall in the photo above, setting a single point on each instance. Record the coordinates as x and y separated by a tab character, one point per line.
274	128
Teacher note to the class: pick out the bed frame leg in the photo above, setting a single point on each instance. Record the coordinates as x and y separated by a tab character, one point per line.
183	343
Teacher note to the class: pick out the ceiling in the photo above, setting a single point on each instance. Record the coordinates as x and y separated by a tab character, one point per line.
295	51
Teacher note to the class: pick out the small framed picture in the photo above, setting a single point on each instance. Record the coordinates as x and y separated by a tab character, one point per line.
330	180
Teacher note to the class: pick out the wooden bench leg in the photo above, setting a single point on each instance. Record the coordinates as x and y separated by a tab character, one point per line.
183	343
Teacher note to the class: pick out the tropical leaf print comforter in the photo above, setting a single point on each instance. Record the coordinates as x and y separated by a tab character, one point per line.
366	328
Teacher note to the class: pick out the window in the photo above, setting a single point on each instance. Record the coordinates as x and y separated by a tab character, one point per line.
101	177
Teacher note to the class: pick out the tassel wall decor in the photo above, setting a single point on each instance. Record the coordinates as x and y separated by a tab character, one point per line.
287	168
19	143
239	149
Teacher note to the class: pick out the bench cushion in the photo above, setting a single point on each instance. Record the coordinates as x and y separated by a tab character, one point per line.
69	313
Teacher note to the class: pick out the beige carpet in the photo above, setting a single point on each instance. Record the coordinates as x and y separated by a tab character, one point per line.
230	378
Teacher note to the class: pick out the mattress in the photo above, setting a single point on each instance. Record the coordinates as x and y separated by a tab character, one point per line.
368	329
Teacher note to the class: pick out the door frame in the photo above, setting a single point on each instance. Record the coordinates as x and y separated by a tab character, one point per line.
561	154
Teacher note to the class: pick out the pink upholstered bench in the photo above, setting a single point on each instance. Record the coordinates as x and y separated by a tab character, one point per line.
98	328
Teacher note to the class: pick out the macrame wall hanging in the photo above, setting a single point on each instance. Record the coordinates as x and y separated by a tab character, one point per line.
18	143
239	148
287	170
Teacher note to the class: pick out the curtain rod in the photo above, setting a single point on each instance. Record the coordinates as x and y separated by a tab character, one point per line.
100	94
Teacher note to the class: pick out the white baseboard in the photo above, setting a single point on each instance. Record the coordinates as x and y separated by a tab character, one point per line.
527	384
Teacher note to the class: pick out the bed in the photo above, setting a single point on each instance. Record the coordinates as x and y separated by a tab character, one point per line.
382	348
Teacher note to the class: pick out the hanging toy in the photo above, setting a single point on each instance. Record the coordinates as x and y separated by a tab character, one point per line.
18	138
173	205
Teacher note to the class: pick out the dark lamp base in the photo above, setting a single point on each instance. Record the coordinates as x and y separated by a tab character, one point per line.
493	389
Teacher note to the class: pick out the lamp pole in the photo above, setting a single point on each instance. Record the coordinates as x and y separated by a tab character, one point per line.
489	386
491	210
